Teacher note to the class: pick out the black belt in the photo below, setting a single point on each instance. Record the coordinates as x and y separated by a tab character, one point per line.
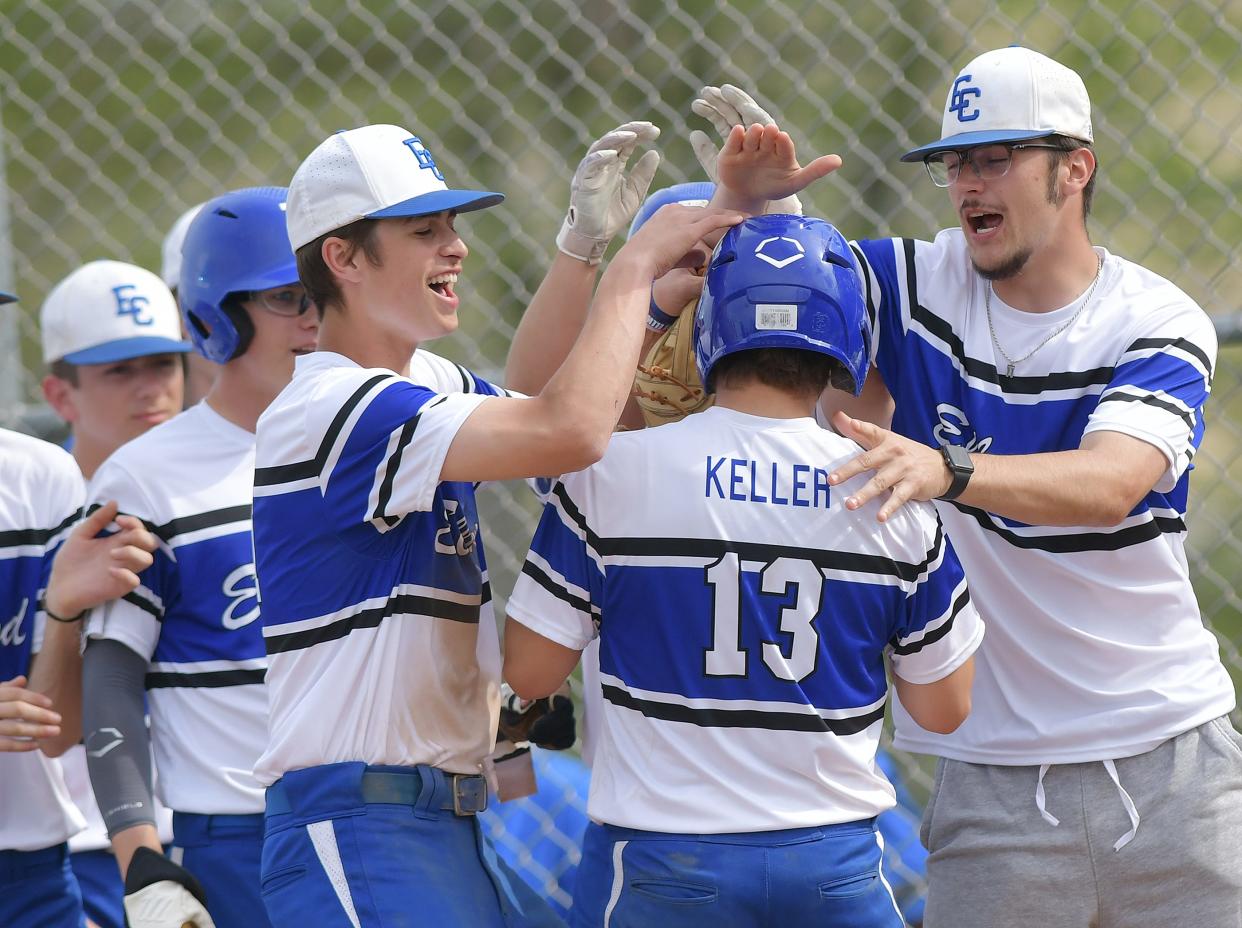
467	792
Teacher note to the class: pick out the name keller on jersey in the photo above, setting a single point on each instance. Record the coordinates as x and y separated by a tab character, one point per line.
777	484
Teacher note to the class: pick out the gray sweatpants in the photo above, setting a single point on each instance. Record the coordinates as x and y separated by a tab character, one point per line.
997	861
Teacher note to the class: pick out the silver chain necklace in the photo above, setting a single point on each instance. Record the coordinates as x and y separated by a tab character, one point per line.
1014	362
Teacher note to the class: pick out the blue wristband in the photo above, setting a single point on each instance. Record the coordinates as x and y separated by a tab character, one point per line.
659	316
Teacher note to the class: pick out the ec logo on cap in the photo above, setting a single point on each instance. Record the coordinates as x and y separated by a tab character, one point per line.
425	161
959	101
127	305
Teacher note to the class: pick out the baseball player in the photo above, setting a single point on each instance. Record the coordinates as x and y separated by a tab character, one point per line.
744	616
111	339
112	343
41	495
384	664
1050	394
188	636
200	372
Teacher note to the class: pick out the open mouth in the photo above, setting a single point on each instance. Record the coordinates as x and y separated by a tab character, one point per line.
442	284
981	222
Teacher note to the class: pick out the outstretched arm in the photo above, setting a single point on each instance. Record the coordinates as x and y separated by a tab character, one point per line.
567	425
603	199
1098	483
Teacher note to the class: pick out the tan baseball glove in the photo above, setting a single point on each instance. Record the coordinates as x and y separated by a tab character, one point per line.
667	385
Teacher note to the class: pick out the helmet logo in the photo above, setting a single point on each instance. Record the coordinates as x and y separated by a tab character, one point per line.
778	255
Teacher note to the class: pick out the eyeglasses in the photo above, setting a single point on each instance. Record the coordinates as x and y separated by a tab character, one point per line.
282	301
989	162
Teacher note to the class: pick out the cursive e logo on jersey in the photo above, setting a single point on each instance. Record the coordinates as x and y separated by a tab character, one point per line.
959	101
953	425
11	633
457	537
240	586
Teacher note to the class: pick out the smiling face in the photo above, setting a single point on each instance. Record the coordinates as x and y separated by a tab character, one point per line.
1007	220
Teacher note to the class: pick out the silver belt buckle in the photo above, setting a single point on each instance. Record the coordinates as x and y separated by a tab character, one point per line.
469	794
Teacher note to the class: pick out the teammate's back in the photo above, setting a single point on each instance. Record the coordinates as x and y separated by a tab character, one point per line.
745	617
746	614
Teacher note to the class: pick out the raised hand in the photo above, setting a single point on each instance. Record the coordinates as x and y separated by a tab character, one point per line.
602	197
760	163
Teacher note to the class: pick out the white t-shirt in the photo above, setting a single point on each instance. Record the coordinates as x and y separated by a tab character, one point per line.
194	614
1096	648
41	496
743	616
376	606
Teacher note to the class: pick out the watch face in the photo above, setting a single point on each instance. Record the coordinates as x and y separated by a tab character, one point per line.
959	459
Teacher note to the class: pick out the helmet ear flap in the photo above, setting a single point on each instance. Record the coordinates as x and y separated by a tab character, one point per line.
241	321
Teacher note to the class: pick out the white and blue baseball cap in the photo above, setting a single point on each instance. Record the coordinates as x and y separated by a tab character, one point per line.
1011	95
170	250
375	172
695	193
108	311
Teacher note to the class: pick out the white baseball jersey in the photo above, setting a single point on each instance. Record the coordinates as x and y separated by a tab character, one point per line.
41	496
194	614
376	606
1095	648
743	616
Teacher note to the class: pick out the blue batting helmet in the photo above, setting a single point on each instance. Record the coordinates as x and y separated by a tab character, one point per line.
691	194
783	281
237	243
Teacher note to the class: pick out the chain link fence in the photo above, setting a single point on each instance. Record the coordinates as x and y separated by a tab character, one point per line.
119	114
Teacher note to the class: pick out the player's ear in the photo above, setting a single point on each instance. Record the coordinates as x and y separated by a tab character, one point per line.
59	395
342	258
1081	167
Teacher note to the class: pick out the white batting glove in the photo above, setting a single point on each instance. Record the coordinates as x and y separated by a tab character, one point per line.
161	894
602	197
165	905
725	107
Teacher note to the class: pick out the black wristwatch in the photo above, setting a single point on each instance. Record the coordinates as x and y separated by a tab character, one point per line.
957	459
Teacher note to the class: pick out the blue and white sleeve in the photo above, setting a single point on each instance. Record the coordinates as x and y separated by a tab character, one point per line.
136	618
939	627
559	591
1158	390
387	459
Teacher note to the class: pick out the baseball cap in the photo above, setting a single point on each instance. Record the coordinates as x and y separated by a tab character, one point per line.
7	298
374	172
108	311
693	194
1010	95
170	251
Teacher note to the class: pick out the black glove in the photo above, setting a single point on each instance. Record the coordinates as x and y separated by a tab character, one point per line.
546	722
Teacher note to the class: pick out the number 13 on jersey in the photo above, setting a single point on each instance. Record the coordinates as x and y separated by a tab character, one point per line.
797	584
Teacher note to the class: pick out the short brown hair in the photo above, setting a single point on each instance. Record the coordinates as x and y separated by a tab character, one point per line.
320	283
1064	145
64	370
794	370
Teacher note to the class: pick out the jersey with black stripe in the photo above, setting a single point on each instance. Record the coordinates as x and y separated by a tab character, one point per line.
41	496
376	607
194	613
1096	648
743	616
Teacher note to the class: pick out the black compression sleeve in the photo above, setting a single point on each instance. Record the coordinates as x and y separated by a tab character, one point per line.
118	747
